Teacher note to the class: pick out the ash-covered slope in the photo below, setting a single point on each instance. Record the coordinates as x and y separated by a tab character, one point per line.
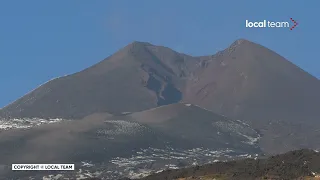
300	164
197	127
138	77
248	81
176	135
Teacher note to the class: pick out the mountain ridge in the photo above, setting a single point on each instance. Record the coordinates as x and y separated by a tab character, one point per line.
152	52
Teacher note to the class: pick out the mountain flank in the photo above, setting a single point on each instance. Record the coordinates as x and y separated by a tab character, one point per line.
135	78
121	145
246	82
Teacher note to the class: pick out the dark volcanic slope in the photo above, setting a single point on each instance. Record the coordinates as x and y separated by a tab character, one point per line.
183	125
135	141
289	166
193	126
138	77
97	138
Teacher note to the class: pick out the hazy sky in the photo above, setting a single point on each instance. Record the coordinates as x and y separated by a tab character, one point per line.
40	40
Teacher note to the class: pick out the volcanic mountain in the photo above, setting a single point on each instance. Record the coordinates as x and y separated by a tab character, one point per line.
246	81
138	77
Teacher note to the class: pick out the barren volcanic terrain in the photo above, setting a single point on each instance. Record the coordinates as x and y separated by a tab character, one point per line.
147	108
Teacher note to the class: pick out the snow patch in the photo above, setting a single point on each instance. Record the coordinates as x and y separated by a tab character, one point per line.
25	123
251	140
87	164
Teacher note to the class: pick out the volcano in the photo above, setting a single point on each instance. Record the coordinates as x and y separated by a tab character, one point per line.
245	81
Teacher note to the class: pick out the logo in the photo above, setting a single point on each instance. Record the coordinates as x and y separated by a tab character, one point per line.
294	23
271	24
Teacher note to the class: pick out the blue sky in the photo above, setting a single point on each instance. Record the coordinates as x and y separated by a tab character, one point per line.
40	40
